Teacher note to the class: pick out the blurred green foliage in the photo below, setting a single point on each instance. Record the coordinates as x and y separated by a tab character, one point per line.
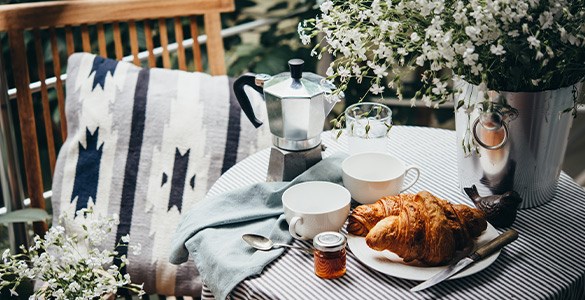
268	48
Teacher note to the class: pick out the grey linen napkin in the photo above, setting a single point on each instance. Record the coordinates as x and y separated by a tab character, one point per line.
212	230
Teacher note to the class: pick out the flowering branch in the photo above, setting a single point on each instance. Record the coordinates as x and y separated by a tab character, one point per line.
502	45
70	261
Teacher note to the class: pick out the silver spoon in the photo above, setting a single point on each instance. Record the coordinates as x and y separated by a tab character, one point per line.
263	243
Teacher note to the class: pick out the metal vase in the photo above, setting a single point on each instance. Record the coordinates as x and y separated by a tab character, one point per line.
520	140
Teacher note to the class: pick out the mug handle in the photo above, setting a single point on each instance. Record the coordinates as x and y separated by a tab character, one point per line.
417	170
292	226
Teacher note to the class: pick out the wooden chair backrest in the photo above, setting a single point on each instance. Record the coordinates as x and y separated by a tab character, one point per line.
58	21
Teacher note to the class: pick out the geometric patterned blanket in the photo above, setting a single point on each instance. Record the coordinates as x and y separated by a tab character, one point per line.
147	144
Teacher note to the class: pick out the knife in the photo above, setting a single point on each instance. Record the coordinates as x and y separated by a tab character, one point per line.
483	251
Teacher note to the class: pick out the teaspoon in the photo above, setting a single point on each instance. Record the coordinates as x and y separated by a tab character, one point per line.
263	243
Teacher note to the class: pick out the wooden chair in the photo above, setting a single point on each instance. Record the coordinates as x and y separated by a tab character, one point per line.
58	22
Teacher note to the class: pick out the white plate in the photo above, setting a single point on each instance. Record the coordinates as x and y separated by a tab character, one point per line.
390	264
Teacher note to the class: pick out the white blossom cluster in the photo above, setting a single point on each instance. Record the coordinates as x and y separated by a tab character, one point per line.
505	45
71	261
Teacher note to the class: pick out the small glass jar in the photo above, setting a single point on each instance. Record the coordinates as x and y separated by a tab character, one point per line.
329	255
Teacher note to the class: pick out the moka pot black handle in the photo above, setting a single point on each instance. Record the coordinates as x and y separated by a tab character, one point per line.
247	79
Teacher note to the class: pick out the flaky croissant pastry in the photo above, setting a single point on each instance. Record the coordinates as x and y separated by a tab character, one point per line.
417	227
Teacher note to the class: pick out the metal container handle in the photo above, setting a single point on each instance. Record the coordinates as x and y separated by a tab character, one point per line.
478	140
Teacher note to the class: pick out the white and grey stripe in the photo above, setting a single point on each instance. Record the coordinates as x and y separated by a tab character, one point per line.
544	263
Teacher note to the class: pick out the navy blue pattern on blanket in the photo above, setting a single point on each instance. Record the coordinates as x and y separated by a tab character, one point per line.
87	170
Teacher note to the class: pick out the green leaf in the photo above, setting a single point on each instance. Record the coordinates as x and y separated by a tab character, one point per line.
459	104
24	215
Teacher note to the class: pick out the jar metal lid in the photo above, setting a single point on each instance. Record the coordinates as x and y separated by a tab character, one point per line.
329	241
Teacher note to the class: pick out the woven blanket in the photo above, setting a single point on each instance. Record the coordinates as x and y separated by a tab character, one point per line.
147	144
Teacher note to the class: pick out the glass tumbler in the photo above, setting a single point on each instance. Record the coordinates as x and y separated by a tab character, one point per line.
367	125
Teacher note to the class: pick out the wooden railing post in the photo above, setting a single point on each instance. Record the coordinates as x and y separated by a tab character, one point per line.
10	179
215	44
28	129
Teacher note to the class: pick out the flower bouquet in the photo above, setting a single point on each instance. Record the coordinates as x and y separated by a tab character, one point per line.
501	45
70	262
513	67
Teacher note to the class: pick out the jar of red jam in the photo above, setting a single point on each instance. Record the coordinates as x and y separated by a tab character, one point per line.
329	255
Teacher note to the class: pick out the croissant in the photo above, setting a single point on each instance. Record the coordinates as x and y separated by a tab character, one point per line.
418	227
364	217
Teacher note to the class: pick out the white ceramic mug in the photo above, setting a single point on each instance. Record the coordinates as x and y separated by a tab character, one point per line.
371	176
315	206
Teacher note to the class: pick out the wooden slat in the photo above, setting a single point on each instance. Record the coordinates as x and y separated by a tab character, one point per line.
164	43
45	100
85	43
149	44
28	129
102	40
179	41
134	41
71	12
118	41
215	52
58	83
196	47
69	40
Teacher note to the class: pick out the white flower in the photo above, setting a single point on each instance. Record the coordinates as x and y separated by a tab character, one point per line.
356	70
546	20
74	286
380	71
440	87
469	58
420	60
472	32
497	50
514	33
476	69
330	72
305	38
426	99
414	37
326	6
126	238
533	42
376	89
343	72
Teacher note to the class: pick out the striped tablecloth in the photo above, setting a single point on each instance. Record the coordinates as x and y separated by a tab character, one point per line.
546	262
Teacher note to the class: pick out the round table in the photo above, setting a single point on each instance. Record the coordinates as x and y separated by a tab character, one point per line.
546	262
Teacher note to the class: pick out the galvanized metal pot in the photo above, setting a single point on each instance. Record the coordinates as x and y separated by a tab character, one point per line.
520	141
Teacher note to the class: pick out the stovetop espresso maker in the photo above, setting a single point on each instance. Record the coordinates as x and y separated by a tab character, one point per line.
297	103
